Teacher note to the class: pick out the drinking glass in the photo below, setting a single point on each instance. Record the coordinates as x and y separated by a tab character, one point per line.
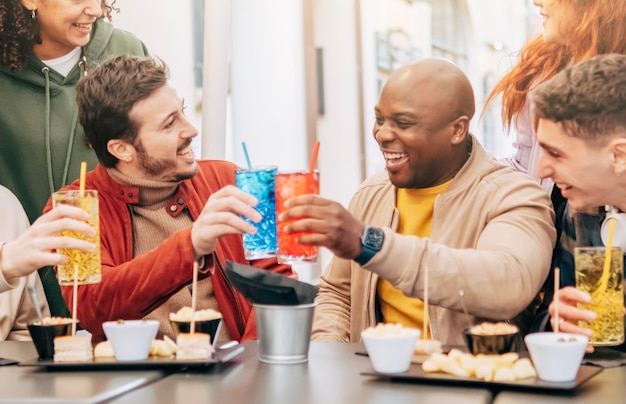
606	290
288	185
89	267
259	182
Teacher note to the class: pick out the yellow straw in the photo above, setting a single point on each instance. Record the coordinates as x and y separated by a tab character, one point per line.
83	173
604	280
557	280
194	289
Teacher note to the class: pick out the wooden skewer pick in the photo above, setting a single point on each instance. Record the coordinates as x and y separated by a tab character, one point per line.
557	286
194	290
74	300
425	322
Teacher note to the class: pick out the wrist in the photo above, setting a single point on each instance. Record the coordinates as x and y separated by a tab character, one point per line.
5	268
372	240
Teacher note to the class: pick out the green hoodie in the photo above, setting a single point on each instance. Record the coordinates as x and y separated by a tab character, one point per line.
35	104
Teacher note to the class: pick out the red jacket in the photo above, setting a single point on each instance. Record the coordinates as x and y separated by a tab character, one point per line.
132	287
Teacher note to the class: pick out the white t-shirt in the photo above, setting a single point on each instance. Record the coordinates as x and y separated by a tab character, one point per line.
65	63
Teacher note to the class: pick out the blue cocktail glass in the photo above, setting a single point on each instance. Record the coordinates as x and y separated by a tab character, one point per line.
259	182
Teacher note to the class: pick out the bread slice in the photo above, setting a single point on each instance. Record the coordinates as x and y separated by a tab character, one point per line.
161	348
194	346
72	349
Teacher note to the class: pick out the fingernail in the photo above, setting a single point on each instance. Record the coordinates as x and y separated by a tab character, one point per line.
287	203
287	229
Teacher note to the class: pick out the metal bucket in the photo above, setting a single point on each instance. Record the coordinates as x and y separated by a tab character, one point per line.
284	332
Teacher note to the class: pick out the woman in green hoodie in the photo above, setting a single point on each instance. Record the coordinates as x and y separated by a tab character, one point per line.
45	47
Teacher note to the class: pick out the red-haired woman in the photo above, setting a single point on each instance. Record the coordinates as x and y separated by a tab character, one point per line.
573	31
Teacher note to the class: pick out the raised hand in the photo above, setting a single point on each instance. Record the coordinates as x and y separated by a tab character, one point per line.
570	314
35	248
330	225
221	215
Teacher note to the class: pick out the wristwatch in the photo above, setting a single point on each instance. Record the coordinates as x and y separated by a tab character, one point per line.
371	242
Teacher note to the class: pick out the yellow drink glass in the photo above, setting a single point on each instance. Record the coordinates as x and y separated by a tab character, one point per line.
89	266
607	295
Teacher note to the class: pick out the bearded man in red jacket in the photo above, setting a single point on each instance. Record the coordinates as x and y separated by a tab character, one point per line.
160	208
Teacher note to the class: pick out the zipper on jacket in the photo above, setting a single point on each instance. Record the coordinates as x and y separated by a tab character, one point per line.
239	316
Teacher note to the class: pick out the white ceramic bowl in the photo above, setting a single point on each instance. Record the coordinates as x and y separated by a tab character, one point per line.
391	353
131	339
556	356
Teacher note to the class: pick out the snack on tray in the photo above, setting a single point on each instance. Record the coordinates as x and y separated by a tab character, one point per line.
500	328
72	349
164	348
184	314
54	321
387	330
103	350
427	347
194	346
505	367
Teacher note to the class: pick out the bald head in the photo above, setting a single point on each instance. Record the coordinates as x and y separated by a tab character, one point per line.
439	81
422	123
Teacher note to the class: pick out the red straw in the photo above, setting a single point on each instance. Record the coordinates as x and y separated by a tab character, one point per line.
316	149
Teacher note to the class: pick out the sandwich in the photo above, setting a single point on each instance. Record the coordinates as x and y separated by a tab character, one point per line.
194	346
72	349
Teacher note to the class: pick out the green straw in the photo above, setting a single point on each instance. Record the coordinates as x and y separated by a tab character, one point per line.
245	153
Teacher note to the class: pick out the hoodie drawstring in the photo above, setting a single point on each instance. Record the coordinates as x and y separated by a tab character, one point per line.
70	143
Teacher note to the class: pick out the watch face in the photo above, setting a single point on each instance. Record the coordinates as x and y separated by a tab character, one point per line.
373	238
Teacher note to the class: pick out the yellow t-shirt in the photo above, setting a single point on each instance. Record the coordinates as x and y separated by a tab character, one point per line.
416	216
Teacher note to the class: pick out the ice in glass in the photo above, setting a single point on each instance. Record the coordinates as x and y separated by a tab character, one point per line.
88	263
289	185
259	182
607	294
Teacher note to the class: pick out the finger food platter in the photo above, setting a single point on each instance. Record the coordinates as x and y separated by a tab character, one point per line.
418	375
221	355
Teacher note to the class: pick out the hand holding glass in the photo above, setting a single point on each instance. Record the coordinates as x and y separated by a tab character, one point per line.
607	295
259	182
89	267
289	185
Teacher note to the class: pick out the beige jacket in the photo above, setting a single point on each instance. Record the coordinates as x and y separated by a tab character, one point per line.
16	308
492	237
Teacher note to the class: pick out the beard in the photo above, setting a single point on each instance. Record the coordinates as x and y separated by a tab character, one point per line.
155	167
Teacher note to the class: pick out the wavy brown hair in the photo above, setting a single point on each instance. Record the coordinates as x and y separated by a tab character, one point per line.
600	29
107	94
19	33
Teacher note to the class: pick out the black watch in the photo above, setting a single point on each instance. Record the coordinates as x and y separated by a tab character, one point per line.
371	242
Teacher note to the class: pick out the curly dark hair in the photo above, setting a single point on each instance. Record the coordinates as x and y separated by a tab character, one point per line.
587	99
19	33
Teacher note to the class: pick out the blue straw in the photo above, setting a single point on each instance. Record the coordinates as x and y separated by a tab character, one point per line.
245	153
